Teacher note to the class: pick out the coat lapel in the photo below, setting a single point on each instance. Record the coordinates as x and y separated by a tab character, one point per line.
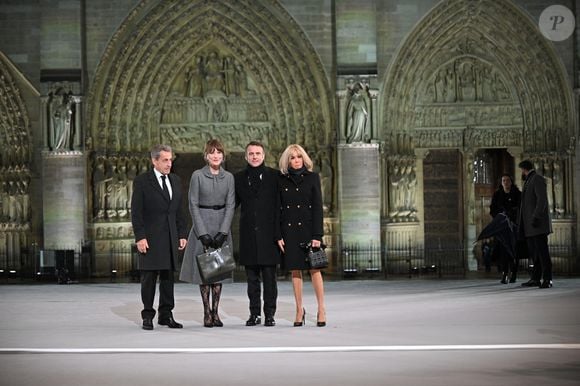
155	184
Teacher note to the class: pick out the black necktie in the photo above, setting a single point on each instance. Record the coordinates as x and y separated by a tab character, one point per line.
165	189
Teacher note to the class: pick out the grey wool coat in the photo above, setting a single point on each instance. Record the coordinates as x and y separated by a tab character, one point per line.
207	189
534	205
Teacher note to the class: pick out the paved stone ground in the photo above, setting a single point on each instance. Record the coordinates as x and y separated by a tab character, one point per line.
415	332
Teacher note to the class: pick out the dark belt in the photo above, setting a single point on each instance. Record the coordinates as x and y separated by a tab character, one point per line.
214	207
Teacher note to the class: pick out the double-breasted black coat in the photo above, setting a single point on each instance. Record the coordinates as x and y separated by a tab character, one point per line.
159	220
259	218
301	217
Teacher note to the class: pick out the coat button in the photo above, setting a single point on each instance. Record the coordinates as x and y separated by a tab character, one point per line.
298	206
288	206
297	189
289	224
286	189
299	224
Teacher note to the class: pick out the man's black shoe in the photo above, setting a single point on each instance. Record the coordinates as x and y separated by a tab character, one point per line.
546	284
269	322
170	322
147	324
531	283
253	320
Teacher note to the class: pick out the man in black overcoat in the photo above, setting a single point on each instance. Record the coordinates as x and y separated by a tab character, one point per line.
535	224
160	232
257	193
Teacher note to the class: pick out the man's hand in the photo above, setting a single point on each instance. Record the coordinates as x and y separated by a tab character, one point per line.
182	244
206	240
142	246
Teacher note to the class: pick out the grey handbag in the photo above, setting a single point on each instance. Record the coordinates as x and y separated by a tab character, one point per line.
216	264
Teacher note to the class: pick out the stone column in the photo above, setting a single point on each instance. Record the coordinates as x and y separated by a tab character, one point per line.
64	199
359	195
420	203
469	209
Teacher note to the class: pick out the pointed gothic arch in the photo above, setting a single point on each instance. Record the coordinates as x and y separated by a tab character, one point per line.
15	177
492	32
157	40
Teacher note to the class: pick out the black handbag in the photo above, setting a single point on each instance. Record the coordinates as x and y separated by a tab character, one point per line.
216	264
316	257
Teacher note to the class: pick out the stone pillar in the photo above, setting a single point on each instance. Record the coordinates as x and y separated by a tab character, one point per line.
359	194
64	199
420	203
470	235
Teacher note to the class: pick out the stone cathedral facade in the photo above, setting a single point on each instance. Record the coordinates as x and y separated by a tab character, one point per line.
411	110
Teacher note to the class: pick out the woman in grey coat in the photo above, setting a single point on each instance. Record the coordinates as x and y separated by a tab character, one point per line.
211	205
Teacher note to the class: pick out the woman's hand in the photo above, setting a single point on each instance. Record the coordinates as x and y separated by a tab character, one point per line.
281	245
315	243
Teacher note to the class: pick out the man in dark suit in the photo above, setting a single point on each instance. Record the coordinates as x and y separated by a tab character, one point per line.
535	225
257	193
160	231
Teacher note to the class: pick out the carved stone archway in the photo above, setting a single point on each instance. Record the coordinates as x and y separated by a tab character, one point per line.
478	74
15	178
158	40
140	96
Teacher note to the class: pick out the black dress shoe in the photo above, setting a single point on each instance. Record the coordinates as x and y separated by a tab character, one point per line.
546	284
504	279
531	283
254	320
269	322
169	322
513	277
147	324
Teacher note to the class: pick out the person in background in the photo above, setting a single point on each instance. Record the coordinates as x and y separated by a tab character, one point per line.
212	204
257	194
506	199
301	222
535	224
160	232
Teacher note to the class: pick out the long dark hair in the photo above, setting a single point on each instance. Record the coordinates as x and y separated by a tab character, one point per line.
514	185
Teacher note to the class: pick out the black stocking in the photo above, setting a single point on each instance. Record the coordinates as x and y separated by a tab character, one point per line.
216	292
207	319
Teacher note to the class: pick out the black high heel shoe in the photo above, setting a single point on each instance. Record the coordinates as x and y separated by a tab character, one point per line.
216	320
303	322
318	322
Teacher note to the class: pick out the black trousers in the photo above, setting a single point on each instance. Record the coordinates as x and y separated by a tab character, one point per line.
268	275
540	254
166	299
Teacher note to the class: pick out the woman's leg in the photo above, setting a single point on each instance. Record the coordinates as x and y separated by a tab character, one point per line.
204	289
297	285
318	285
216	292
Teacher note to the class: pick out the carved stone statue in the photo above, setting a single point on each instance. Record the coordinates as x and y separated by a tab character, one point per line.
61	118
214	76
358	115
194	78
558	181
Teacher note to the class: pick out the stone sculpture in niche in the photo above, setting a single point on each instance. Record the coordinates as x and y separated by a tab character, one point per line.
61	120
358	117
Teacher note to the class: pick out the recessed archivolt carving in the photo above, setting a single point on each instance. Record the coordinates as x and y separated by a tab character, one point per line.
15	142
159	41
477	63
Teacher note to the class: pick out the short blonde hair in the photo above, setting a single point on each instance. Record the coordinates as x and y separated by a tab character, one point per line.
285	158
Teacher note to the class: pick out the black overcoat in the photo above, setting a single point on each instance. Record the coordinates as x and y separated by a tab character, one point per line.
259	218
159	220
301	217
534	206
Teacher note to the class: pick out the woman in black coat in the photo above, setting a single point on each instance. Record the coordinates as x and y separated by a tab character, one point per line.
506	199
300	223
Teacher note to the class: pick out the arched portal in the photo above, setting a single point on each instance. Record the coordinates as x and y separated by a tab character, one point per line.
184	71
476	75
15	178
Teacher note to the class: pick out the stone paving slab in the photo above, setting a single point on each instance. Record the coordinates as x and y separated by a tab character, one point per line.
467	316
